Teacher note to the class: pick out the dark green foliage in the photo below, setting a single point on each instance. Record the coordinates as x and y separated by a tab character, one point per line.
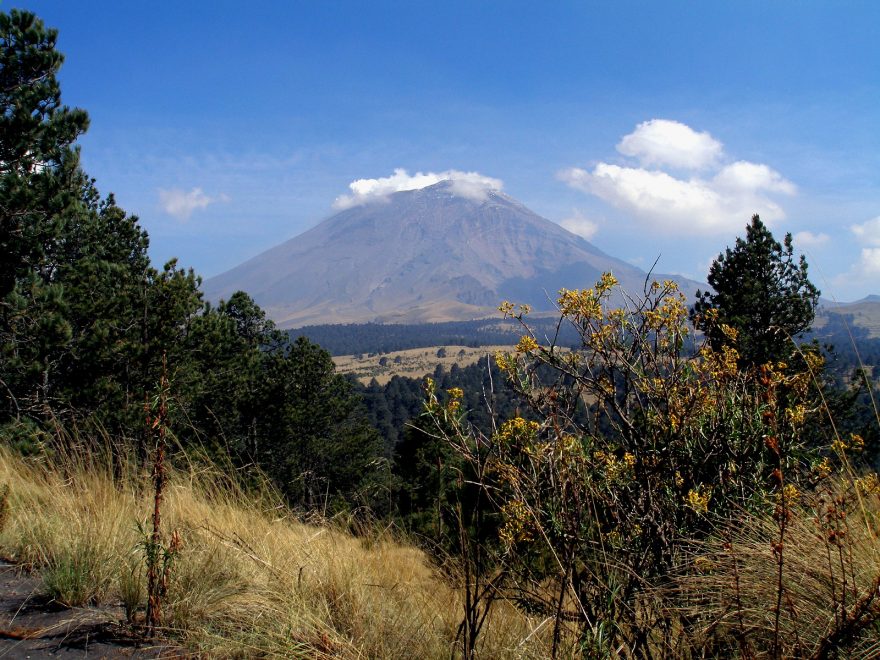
40	188
764	293
761	291
427	468
319	445
38	165
431	481
393	407
86	321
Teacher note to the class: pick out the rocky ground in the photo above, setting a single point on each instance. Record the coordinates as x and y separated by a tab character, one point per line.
32	626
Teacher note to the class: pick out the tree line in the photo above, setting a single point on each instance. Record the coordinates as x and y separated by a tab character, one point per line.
367	338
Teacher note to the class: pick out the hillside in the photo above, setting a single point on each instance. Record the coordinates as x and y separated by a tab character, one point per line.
249	580
862	315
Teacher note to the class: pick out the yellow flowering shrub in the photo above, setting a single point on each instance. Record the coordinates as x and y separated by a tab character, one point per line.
635	441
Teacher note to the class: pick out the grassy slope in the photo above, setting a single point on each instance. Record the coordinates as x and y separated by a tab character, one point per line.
249	579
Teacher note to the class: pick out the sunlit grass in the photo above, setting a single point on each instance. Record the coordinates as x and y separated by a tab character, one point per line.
250	578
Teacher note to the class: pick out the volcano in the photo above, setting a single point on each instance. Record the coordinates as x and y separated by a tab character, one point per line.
419	256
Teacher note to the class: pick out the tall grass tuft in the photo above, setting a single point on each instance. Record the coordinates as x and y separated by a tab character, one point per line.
828	588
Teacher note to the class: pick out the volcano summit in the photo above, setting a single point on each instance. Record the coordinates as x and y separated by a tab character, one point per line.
418	256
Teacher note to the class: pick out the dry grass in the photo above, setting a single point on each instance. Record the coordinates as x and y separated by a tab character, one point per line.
253	581
829	583
250	580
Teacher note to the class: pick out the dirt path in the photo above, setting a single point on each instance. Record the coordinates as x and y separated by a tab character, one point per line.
33	627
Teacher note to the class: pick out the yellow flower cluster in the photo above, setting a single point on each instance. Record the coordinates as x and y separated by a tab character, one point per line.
710	317
606	283
856	443
718	365
586	304
455	396
505	362
507	308
730	332
789	494
518	429
868	484
671	313
698	498
823	469
614	467
517	523
616	316
583	304
526	345
796	414
814	361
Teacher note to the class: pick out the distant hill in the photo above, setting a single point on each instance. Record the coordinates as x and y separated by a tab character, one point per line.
863	315
427	255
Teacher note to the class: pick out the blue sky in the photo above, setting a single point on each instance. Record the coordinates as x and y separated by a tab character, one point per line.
653	129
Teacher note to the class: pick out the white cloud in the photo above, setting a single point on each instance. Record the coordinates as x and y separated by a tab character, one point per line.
745	177
865	270
718	204
869	263
668	203
182	204
471	185
580	224
809	239
868	232
667	142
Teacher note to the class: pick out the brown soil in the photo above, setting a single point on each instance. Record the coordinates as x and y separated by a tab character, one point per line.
32	626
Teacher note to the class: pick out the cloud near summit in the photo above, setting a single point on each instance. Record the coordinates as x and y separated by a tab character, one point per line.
471	185
715	199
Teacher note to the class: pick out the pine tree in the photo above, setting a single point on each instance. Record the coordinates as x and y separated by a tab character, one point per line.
314	436
761	291
40	186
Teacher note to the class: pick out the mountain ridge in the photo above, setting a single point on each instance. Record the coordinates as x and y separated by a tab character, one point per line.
425	255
